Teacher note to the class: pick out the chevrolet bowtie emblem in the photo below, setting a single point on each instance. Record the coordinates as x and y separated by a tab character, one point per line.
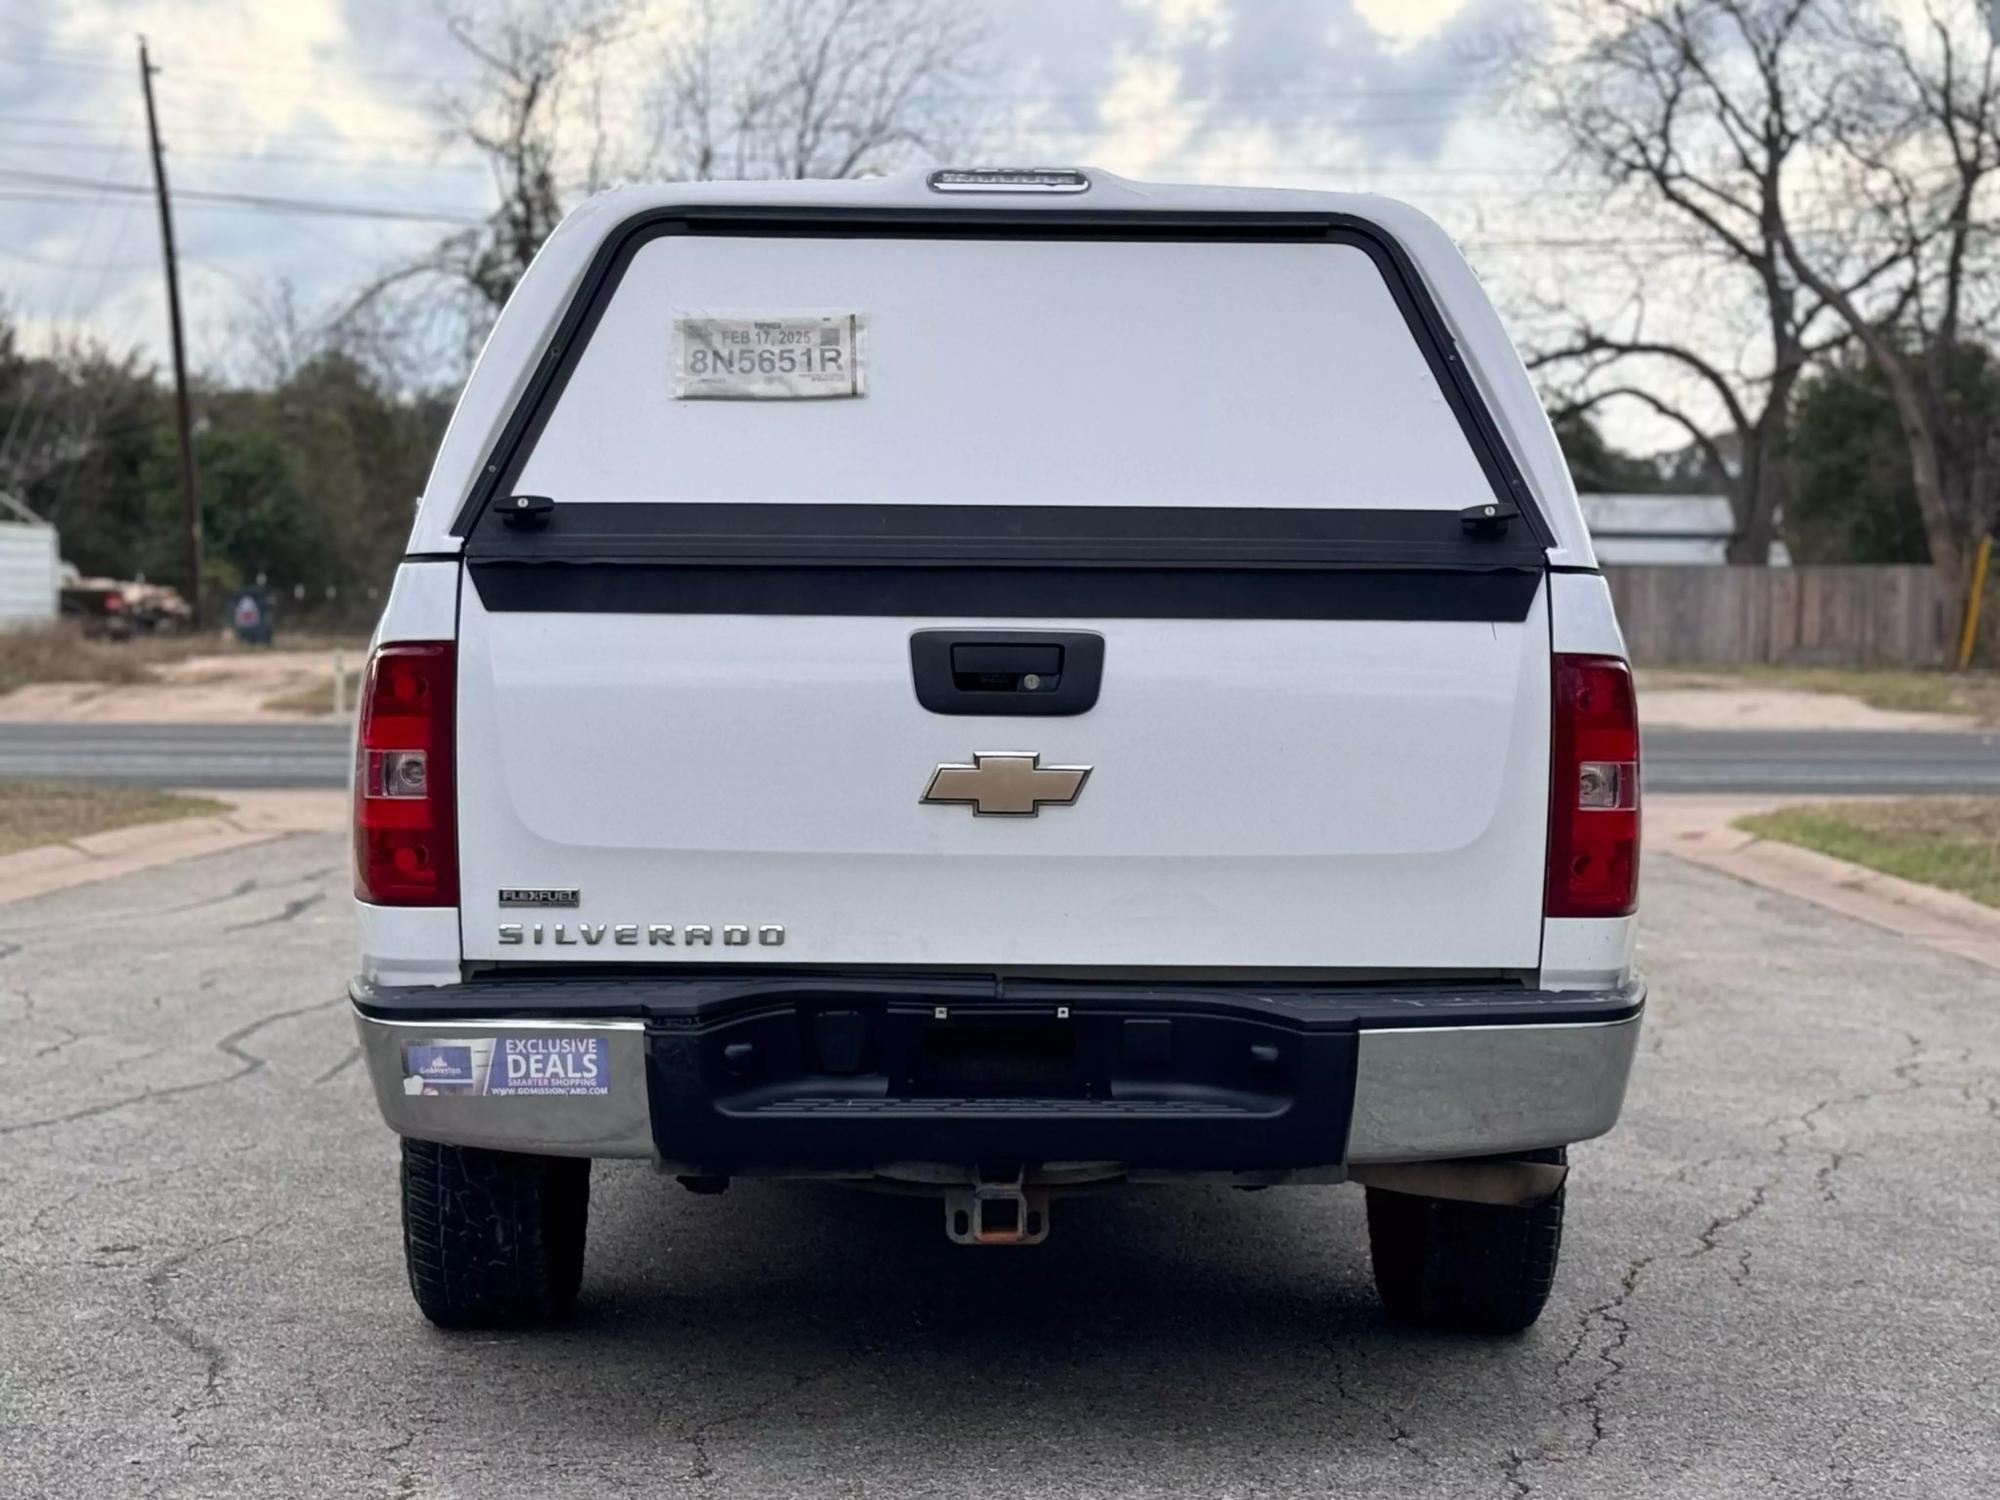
1007	783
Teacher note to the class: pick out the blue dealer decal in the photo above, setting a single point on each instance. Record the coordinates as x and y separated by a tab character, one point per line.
506	1066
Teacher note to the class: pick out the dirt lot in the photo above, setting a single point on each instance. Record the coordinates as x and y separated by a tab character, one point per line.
1816	698
217	687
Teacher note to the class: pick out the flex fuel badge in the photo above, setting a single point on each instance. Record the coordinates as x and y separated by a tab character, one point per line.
507	1066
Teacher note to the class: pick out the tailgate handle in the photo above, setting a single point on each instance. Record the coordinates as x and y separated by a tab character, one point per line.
1007	672
1006	669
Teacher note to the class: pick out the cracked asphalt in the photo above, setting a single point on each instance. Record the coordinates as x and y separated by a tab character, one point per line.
1780	1275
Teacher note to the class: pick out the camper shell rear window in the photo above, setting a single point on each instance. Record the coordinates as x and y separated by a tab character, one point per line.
1012	361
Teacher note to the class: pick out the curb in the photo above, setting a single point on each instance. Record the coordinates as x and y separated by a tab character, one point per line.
1698	830
252	818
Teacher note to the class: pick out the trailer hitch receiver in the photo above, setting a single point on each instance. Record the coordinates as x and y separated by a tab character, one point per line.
997	1211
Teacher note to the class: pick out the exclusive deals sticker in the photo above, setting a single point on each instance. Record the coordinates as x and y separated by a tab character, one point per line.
507	1066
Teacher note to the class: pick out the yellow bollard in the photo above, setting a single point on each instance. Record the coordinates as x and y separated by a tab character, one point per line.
1982	560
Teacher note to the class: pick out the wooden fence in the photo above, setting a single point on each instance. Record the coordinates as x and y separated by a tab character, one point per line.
1881	616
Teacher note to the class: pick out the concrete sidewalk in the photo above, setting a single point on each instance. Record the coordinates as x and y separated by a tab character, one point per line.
1699	830
253	817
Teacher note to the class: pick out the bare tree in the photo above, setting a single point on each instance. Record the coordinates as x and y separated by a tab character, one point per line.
534	90
530	55
1694	114
810	88
738	88
1915	163
527	57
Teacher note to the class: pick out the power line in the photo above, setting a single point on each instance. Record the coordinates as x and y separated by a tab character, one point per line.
283	158
463	168
229	75
14	253
57	180
17	59
56	197
212	127
64	303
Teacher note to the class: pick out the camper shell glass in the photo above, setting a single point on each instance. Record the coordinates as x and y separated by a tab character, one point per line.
1340	401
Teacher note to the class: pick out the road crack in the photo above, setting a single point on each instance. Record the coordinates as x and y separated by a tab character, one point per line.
696	1438
353	1057
1794	1133
290	910
1798	1133
32	1015
213	1355
1400	1437
230	1045
1609	1317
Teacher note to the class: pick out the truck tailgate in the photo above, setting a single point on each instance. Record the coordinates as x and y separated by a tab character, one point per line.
1242	454
1295	793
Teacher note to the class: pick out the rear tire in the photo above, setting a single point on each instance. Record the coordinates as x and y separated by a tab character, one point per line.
493	1237
1470	1267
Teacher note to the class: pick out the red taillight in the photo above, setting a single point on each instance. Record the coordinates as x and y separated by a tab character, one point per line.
1593	790
405	830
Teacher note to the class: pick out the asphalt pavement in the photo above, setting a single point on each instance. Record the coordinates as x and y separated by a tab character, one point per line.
181	755
1810	762
1821	762
1779	1275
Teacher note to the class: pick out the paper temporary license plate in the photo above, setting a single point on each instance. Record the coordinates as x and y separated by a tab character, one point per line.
782	357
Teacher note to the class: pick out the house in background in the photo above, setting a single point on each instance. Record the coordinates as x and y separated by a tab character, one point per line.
1664	530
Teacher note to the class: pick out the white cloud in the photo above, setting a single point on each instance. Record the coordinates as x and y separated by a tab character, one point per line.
1406	23
1179	21
293	63
1144	117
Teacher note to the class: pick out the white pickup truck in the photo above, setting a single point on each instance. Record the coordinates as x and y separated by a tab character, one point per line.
1002	683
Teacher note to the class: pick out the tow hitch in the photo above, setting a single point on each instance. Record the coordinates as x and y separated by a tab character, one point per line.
997	1211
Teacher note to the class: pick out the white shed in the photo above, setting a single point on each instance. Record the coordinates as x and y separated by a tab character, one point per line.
30	566
1655	530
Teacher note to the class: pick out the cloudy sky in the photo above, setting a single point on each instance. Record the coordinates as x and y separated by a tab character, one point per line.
332	101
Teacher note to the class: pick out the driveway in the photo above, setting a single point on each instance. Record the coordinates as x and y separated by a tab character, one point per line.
1780	1275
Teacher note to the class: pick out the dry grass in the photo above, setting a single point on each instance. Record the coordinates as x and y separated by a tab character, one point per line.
317	699
1974	694
1949	842
62	653
53	812
318	640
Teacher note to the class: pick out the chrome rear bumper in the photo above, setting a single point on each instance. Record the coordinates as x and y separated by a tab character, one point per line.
1431	1093
614	1123
1420	1090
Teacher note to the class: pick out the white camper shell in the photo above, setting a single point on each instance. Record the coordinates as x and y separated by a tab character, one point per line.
1002	681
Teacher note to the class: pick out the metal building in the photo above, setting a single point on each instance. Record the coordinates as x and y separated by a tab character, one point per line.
1657	530
30	566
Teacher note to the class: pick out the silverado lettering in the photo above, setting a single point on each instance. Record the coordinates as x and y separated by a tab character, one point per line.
626	934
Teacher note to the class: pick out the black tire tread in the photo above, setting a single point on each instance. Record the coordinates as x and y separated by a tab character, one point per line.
1471	1267
492	1237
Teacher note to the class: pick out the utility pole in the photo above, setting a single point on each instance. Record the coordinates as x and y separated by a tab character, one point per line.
190	496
